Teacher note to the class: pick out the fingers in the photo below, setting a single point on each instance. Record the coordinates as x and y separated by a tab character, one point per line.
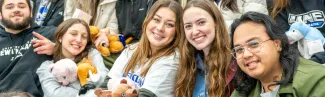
37	43
43	47
41	50
39	36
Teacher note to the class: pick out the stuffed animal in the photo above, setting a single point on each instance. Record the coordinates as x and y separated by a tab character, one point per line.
121	90
116	42
310	40
87	90
85	68
65	71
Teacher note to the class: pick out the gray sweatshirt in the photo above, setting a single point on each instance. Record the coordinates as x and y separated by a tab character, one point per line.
50	86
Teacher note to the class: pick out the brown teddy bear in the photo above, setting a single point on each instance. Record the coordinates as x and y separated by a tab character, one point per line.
121	90
115	45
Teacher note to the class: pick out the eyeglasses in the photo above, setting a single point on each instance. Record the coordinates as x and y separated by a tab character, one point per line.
252	46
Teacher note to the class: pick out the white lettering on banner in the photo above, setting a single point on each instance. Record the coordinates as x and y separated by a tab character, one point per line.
314	18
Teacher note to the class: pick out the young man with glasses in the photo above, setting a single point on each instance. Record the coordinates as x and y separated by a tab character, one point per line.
269	66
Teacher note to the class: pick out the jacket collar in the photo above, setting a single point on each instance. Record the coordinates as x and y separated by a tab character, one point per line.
107	1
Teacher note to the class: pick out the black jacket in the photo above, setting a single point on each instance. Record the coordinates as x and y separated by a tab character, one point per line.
312	12
130	15
18	61
54	16
319	57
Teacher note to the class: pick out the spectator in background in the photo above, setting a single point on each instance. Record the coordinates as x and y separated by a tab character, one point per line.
287	12
48	12
233	9
15	94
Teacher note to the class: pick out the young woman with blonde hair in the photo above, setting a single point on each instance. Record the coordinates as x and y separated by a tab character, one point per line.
153	62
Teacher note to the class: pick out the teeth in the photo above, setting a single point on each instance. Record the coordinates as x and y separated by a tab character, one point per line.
76	46
157	35
199	38
253	63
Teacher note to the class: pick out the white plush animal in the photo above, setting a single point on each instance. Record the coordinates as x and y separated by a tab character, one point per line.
65	71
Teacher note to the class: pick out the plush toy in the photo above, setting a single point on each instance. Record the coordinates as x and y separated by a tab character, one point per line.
65	71
116	42
121	90
300	30
310	40
85	69
87	90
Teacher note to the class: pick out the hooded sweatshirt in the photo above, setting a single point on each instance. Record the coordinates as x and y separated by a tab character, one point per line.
19	62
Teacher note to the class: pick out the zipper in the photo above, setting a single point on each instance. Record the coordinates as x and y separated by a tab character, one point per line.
132	5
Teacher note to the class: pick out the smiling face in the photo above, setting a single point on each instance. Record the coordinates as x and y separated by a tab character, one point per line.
74	40
199	28
161	28
16	14
264	63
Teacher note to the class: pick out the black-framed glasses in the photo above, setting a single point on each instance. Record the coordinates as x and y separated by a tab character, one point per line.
252	46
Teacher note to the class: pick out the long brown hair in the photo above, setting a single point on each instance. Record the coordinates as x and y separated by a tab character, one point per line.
278	6
217	61
61	30
88	6
143	50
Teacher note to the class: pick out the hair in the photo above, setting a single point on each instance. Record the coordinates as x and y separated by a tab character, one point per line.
28	3
218	60
88	6
143	50
230	4
61	30
288	56
15	93
278	6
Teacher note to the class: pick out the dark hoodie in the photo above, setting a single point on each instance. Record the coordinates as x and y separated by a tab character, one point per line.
18	61
312	12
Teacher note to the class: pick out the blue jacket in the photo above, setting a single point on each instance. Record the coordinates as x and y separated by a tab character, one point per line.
200	89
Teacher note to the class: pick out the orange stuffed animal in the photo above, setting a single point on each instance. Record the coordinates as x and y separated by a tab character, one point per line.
121	90
115	45
83	70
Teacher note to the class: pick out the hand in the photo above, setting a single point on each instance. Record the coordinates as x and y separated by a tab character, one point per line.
42	45
101	38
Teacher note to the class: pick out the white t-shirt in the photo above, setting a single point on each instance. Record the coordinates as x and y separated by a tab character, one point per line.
160	78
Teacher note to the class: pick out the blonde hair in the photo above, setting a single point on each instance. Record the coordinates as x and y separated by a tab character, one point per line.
278	6
217	61
143	50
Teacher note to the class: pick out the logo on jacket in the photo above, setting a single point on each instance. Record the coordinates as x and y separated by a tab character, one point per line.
136	78
314	18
